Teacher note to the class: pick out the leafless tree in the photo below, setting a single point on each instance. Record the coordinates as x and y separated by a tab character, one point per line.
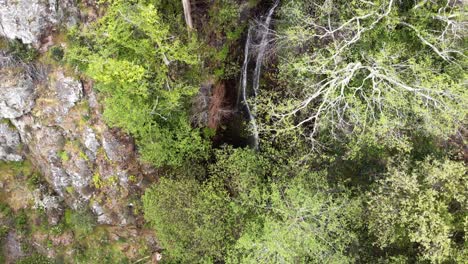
330	98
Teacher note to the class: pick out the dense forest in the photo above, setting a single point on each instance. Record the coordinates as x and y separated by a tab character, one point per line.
277	131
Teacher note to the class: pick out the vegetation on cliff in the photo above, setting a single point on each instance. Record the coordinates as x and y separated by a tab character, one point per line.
359	114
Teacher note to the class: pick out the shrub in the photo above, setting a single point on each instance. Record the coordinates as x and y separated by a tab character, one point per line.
5	210
21	222
194	222
22	51
57	53
82	222
3	231
421	204
35	258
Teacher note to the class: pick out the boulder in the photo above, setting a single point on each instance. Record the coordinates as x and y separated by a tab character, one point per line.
30	20
91	143
69	91
16	93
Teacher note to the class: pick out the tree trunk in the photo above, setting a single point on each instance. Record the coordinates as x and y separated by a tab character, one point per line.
187	13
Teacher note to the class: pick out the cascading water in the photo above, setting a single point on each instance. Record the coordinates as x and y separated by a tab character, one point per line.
263	36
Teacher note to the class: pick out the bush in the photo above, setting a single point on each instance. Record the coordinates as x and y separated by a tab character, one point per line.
21	222
147	90
194	222
57	53
23	51
5	210
3	231
35	259
421	204
82	222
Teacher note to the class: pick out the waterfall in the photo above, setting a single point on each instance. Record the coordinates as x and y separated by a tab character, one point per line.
262	48
257	72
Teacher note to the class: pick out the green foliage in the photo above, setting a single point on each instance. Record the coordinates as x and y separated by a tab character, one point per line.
63	156
57	229
3	231
34	180
22	51
303	226
57	53
35	259
5	210
21	222
293	216
82	222
368	83
147	76
375	78
424	204
225	25
18	168
96	249
252	208
194	221
97	182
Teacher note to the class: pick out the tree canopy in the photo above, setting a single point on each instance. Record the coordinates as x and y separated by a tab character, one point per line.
361	110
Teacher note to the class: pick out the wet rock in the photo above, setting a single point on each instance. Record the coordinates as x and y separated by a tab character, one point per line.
16	93
29	20
9	144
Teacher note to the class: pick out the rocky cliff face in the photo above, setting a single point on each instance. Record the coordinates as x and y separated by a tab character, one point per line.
51	118
54	120
85	162
30	20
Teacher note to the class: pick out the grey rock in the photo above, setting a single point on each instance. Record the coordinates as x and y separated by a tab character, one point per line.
16	93
80	176
114	149
69	91
90	140
55	126
9	144
44	143
99	211
13	247
29	20
59	179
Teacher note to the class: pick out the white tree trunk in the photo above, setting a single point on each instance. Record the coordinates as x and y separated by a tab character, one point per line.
187	13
